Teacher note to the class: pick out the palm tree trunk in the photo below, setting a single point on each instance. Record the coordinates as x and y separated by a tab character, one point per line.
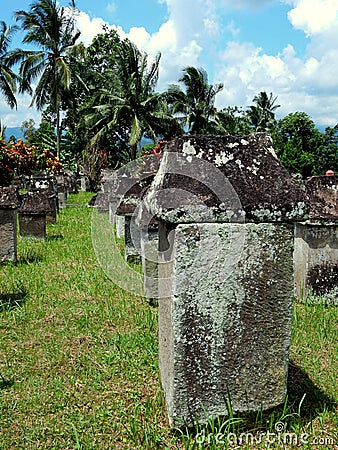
58	133
133	151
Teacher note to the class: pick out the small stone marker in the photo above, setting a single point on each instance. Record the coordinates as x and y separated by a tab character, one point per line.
226	208
149	252
62	190
9	203
316	241
126	208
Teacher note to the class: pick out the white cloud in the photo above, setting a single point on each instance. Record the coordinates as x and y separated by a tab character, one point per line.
300	84
245	4
314	16
89	27
14	118
231	27
111	7
190	36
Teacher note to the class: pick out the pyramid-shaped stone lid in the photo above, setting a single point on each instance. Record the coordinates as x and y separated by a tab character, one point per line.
207	178
132	197
9	198
323	197
35	202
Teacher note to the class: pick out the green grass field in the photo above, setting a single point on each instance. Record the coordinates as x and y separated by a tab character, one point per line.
79	368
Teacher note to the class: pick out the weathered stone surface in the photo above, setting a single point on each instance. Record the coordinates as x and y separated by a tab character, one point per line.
102	202
32	225
43	181
221	178
149	252
9	202
8	241
120	224
323	198
35	202
316	243
62	190
32	214
9	198
46	183
225	326
225	282
126	199
84	182
132	239
71	182
316	260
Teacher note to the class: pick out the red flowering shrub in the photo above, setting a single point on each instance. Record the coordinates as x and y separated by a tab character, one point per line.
158	150
21	159
8	162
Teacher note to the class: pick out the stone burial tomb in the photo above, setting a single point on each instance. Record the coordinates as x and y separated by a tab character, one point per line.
32	214
226	209
135	232
9	204
46	182
316	242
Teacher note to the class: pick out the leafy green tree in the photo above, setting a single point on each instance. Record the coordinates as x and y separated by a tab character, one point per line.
296	141
28	130
45	137
130	99
8	79
327	151
194	106
233	121
51	29
262	114
95	71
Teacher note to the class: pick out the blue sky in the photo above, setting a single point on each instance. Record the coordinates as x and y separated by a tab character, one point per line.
287	47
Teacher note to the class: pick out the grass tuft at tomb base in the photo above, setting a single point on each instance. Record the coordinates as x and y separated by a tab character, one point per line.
79	361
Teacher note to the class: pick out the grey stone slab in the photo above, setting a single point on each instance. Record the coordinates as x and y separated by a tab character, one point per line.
120	226
225	324
149	252
322	192
316	260
8	240
32	226
132	239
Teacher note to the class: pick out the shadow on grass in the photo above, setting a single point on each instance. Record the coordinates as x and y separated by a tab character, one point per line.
32	258
315	400
10	301
5	384
54	237
305	402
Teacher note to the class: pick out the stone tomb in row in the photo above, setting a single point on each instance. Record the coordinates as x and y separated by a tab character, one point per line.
316	242
226	208
46	183
9	203
32	214
140	232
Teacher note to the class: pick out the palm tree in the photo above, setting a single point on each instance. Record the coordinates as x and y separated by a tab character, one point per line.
261	115
51	29
131	99
194	107
8	79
